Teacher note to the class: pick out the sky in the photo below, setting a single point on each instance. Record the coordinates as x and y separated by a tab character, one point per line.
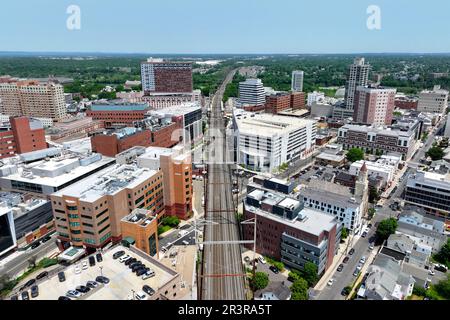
225	26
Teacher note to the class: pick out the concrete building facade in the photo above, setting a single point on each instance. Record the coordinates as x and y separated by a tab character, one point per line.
374	105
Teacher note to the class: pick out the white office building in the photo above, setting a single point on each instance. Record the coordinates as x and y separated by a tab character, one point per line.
374	169
252	93
265	141
297	80
315	97
434	101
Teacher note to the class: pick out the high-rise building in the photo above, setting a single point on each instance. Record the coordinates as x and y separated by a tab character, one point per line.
251	93
159	76
33	99
374	105
435	101
297	80
21	135
358	75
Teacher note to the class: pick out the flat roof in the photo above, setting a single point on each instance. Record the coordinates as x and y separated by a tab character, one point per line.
122	280
119	107
107	181
382	130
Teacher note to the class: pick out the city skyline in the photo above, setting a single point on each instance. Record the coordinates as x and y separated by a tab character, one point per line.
253	27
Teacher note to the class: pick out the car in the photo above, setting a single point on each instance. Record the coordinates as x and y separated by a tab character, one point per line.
148	290
352	251
137	267
130	261
247	259
431	272
124	258
141	271
14	297
46	238
364	234
83	289
73	294
346	259
330	282
34	291
91	261
235	191
118	254
42	275
136	263
371	247
77	270
92	284
64	298
29	283
35	245
274	269
340	268
141	295
102	279
345	291
99	257
362	260
84	265
61	276
25	295
440	268
150	273
262	260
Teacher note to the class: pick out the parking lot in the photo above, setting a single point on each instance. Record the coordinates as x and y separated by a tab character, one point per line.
123	282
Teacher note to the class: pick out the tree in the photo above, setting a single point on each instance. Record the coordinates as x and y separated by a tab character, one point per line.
171	221
355	154
386	228
294	275
443	288
374	195
299	290
443	256
344	233
435	153
371	212
259	281
309	273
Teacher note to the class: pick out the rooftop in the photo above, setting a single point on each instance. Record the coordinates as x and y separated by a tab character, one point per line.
119	107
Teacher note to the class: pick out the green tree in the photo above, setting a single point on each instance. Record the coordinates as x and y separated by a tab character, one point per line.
171	221
386	228
374	195
443	256
443	288
435	153
309	273
299	290
259	281
344	233
371	213
294	275
355	154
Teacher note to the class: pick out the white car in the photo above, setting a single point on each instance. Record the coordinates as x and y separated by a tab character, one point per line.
330	282
73	294
124	258
362	260
77	270
431	272
262	260
141	295
150	273
85	265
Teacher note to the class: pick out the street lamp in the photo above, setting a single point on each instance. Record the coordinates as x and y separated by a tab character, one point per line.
101	270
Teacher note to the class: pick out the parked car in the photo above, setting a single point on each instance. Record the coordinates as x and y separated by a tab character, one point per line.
149	290
431	272
42	275
73	294
371	247
124	258
35	245
364	234
118	254
83	289
141	295
130	261
340	267
262	260
102	279
362	260
84	265
61	276
91	261
25	295
99	257
352	251
64	298
274	269
34	291
77	269
346	259
441	268
46	238
345	291
141	271
150	273
330	282
29	283
92	284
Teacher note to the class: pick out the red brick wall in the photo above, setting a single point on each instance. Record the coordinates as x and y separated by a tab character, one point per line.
117	117
297	100
104	144
173	80
277	103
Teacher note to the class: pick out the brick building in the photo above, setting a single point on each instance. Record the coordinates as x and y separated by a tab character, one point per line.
115	115
158	75
21	135
406	103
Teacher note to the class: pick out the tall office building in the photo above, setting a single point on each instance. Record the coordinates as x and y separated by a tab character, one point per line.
30	98
251	93
297	80
374	105
435	101
358	75
159	76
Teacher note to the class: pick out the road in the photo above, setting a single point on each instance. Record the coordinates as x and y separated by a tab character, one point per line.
223	276
361	245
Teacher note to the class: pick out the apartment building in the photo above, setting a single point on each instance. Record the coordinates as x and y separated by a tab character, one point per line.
265	141
74	127
118	114
374	105
297	80
434	101
358	75
88	213
21	135
33	99
288	232
374	139
158	75
280	101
